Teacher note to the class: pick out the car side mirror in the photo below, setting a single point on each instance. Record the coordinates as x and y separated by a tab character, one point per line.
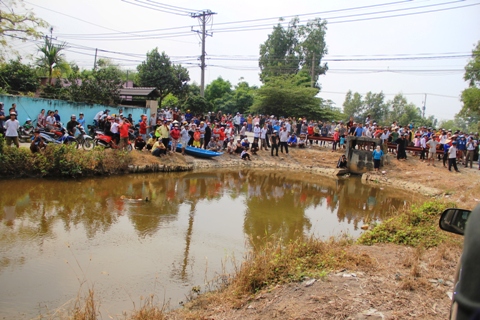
454	220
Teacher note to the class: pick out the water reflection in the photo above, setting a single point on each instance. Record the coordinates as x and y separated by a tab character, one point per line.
188	218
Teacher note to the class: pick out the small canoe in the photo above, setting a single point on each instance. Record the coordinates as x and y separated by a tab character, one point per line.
199	153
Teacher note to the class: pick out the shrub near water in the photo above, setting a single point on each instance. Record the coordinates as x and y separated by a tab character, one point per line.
62	161
415	227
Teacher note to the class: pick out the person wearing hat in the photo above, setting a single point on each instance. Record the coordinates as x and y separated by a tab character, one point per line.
11	130
175	136
184	137
72	125
452	157
471	145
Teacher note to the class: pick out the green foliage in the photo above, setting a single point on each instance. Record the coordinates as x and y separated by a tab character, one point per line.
471	95
290	95
62	161
2	144
416	227
157	71
51	57
18	77
217	89
398	109
220	94
294	48
197	104
17	25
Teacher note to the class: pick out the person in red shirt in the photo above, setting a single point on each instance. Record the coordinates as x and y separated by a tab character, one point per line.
175	135
123	128
143	128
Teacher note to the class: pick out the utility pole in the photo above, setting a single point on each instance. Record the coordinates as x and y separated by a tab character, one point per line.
203	21
95	61
424	106
313	70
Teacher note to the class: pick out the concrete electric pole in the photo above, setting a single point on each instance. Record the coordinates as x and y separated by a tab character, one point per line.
203	17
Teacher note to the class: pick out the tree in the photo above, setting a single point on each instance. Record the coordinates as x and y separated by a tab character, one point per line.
52	57
157	71
353	105
17	25
375	107
289	50
197	104
217	89
290	95
18	77
471	95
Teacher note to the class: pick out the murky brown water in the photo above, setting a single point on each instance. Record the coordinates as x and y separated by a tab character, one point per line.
59	236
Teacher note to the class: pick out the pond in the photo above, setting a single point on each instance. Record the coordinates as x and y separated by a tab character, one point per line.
137	235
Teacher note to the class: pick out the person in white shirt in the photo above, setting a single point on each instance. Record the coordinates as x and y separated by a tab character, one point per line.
11	130
283	135
452	157
114	129
256	131
471	145
263	137
423	145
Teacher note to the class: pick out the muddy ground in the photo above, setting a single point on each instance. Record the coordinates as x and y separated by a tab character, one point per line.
396	282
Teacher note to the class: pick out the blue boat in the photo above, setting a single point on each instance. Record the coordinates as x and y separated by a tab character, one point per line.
199	153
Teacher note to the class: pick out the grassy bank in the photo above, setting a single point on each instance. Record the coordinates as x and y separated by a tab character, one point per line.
275	263
61	161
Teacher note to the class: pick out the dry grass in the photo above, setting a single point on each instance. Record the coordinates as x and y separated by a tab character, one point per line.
87	308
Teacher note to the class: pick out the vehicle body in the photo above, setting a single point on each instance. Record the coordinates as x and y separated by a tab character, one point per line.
58	137
106	141
466	297
84	139
24	134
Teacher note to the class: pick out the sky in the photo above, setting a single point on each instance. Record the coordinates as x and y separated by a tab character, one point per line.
415	47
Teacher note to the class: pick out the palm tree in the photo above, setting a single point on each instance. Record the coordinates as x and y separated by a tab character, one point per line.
52	57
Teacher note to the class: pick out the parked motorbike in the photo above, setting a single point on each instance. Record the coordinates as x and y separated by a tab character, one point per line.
24	134
60	136
84	139
105	141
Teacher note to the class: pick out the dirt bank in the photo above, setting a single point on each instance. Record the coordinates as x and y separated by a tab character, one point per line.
411	175
398	282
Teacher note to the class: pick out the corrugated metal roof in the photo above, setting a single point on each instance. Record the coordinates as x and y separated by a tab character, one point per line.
139	91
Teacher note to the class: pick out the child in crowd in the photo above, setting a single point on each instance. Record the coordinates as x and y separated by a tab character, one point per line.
245	156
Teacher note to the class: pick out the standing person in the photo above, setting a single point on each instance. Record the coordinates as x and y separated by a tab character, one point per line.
401	152
423	145
11	130
184	138
2	119
461	148
142	130
249	123
114	129
237	122
283	135
41	119
377	156
153	122
165	133
257	131
124	134
432	144
274	143
470	150
263	137
452	157
175	135
243	130
336	139
446	146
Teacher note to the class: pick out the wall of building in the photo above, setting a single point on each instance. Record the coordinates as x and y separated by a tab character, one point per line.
28	107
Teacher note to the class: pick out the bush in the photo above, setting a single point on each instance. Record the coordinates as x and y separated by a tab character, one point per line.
417	227
62	161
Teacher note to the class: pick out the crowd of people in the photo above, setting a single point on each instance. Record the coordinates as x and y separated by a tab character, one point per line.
161	132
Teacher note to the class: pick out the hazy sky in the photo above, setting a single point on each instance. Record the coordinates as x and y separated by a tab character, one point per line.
445	32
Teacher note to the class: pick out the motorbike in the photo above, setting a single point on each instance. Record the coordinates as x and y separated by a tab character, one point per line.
24	134
84	139
59	136
105	141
